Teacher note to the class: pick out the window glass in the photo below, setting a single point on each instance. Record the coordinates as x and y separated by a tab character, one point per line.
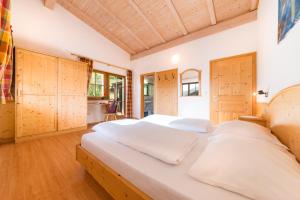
96	87
185	89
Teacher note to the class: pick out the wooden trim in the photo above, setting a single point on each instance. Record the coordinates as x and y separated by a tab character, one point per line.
142	76
142	96
138	10
50	4
119	21
117	186
254	4
102	62
254	84
93	23
228	24
199	78
179	21
211	10
33	137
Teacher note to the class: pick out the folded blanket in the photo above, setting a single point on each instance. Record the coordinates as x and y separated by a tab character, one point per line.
164	143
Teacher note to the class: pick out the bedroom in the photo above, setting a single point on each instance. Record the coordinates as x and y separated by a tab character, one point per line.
87	62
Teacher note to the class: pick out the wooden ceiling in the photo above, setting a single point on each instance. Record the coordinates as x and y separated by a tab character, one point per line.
143	27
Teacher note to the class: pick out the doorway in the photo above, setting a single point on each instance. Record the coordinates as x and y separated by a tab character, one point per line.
147	94
233	83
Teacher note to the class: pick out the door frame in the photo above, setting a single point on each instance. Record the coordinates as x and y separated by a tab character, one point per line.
142	103
254	78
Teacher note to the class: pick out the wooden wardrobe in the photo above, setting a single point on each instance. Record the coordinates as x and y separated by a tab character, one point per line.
51	95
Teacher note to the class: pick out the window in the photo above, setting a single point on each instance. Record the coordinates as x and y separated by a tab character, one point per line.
190	83
108	86
190	89
96	87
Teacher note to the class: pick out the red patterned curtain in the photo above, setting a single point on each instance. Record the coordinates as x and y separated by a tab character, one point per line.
6	52
90	68
129	94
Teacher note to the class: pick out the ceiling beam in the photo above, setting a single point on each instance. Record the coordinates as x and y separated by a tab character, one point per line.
211	10
138	10
50	4
177	17
90	21
254	4
231	23
119	21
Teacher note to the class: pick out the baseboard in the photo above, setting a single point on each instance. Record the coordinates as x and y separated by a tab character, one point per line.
33	137
6	140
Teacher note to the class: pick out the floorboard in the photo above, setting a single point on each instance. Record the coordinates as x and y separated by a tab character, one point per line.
46	169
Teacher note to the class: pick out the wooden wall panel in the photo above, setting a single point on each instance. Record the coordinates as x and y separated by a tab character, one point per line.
166	92
72	100
7	122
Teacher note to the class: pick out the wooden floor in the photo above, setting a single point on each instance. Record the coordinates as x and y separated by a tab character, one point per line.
46	169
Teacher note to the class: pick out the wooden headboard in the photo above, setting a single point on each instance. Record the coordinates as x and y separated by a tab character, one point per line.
283	114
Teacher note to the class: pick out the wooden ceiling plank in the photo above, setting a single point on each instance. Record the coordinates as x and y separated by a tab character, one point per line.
231	23
140	12
50	4
211	10
119	21
179	21
254	4
87	19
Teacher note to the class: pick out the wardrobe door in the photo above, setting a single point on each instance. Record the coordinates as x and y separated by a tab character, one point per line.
36	98
72	98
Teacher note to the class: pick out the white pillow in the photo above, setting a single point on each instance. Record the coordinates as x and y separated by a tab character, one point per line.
248	129
195	125
158	119
250	167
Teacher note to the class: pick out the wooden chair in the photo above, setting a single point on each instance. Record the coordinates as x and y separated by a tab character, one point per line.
111	113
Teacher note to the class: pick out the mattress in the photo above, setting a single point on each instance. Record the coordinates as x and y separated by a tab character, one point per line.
159	180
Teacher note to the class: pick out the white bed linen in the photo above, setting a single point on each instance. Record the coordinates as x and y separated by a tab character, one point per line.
157	179
166	144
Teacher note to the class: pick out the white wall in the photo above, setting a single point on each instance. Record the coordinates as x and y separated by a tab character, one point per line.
278	64
196	54
58	32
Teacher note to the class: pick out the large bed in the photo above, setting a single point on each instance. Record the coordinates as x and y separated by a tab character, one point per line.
129	174
157	179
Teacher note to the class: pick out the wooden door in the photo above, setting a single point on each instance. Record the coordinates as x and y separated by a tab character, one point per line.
36	85
72	98
233	82
166	92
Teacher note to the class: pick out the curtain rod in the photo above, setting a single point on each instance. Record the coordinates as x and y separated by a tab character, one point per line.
98	61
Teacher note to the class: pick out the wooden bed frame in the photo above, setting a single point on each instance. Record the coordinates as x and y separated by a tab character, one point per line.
118	187
282	113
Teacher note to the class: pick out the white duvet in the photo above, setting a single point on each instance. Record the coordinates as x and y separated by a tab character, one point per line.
164	143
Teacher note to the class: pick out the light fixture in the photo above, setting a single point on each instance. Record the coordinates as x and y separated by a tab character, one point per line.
175	59
261	92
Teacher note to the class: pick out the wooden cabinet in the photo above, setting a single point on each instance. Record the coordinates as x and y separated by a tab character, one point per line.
49	89
72	103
